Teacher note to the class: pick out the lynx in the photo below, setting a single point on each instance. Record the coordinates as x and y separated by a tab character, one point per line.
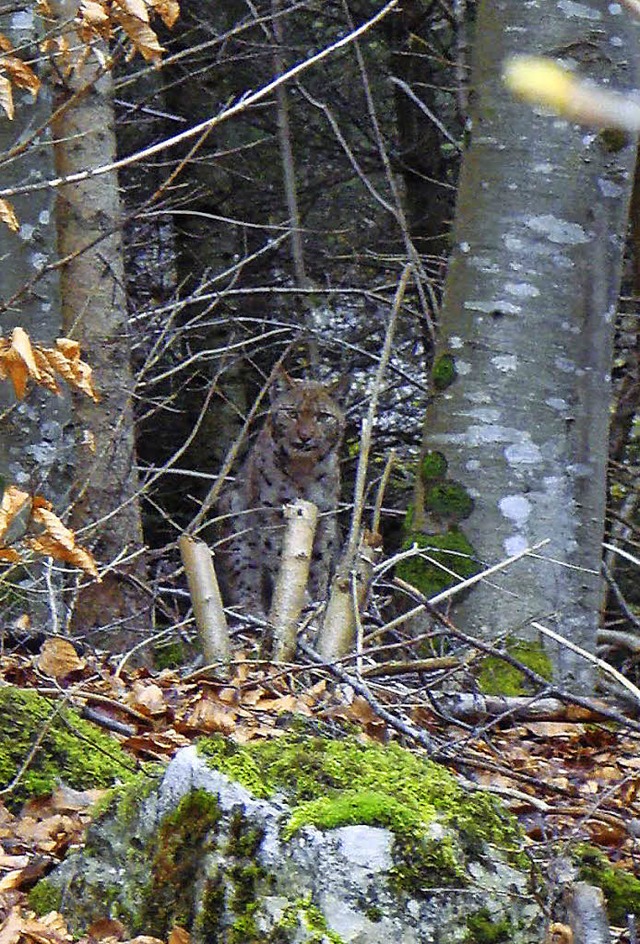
296	455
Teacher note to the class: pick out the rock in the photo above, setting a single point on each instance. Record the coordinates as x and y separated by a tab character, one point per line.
287	862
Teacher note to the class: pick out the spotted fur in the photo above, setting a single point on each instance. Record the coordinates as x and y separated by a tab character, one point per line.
296	455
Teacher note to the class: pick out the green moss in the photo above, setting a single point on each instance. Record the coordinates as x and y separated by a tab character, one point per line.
184	838
331	783
452	550
621	889
44	898
433	466
482	930
497	677
613	140
71	749
450	501
444	371
169	656
303	914
351	808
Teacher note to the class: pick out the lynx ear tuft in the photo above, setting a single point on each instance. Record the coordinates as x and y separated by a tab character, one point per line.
282	383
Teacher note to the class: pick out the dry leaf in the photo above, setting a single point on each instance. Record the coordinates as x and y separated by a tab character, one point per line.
106	927
13	501
6	97
58	541
179	935
8	214
59	659
167	10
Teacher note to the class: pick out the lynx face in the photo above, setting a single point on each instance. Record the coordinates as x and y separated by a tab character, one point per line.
306	421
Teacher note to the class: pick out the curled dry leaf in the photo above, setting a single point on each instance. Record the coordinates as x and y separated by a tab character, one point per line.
58	541
13	501
7	213
66	361
20	361
17	362
167	10
6	97
59	659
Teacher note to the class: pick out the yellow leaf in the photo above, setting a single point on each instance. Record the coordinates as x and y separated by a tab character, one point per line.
8	216
13	501
59	542
167	10
6	97
66	361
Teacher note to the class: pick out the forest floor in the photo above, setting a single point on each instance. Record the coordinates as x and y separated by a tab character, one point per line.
569	781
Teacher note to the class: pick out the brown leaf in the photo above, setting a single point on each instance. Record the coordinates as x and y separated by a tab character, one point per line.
147	698
179	935
59	541
20	73
59	659
11	927
106	927
136	26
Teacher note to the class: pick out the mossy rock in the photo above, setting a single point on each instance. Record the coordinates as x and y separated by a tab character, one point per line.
72	750
497	677
452	550
331	783
621	889
294	855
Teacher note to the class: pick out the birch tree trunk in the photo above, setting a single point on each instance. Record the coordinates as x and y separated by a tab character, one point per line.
105	508
528	320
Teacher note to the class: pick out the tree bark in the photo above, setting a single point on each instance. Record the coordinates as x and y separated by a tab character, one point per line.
528	318
105	506
35	447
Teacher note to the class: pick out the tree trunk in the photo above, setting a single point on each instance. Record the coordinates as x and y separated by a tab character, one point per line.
35	451
527	323
105	504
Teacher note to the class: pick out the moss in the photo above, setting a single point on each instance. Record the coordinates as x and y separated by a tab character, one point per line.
302	913
482	930
613	140
444	371
497	677
71	748
450	501
331	783
44	898
621	889
351	808
433	467
452	550
183	840
169	656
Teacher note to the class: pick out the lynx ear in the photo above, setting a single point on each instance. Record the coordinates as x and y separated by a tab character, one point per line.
340	387
281	384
